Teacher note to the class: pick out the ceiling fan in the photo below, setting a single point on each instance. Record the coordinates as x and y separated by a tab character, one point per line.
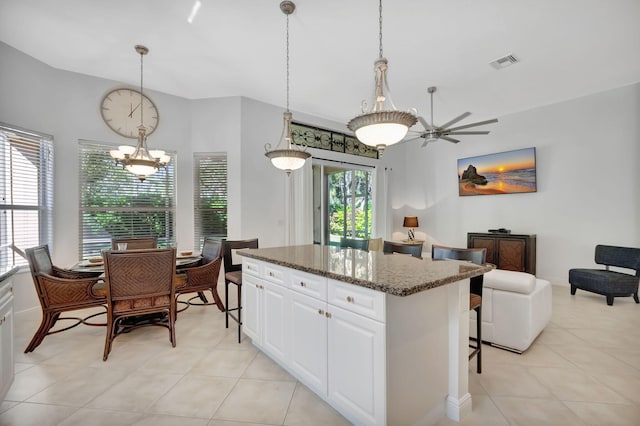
432	132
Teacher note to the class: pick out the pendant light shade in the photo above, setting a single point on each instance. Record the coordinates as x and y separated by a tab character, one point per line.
287	156
384	125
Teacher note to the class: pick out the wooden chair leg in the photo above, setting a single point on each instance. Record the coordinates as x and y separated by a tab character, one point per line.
38	337
479	337
226	303
216	298
239	313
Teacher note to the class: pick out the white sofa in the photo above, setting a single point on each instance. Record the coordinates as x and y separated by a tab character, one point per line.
516	307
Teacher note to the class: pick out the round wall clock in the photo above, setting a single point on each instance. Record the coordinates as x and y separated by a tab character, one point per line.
121	109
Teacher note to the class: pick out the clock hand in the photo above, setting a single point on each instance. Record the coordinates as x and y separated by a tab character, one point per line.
133	110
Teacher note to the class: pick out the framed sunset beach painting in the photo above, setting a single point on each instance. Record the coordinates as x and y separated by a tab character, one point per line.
506	172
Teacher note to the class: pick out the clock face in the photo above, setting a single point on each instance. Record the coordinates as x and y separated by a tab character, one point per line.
121	110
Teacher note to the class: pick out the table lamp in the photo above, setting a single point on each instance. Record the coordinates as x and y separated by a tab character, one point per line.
410	222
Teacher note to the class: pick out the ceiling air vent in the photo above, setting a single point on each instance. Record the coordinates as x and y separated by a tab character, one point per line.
504	62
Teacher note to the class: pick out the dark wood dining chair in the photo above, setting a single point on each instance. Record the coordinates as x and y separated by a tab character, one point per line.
135	243
414	250
233	275
139	284
60	290
355	243
203	276
479	257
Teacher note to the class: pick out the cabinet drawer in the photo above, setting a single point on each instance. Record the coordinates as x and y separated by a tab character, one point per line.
251	266
361	300
309	284
274	273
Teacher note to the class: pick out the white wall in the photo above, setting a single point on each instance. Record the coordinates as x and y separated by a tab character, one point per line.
588	152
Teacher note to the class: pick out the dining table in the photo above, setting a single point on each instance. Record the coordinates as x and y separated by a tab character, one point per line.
89	265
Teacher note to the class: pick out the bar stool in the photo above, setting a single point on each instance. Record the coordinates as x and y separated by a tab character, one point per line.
479	257
233	275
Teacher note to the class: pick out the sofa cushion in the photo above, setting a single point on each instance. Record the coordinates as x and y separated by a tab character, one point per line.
518	282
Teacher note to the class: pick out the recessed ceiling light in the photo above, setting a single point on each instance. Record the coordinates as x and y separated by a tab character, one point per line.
504	62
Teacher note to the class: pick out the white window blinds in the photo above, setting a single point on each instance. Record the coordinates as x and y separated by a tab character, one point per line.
26	192
115	204
210	196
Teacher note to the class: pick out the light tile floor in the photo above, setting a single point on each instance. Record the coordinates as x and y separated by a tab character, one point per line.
583	369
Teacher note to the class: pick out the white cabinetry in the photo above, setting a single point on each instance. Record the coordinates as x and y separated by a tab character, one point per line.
327	333
265	308
6	337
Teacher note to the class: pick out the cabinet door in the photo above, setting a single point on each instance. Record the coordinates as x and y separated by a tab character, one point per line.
252	307
489	244
357	380
308	350
511	254
6	346
275	324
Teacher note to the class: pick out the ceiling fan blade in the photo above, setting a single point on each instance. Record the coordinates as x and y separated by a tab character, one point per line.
455	120
484	132
479	123
425	143
426	125
446	138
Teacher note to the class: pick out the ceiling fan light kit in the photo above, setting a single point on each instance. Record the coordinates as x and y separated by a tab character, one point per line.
384	125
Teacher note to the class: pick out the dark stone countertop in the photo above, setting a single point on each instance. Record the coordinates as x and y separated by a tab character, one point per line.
400	275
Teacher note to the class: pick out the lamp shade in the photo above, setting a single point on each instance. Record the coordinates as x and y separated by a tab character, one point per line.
410	222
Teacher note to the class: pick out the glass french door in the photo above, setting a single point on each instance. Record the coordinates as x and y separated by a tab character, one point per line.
343	203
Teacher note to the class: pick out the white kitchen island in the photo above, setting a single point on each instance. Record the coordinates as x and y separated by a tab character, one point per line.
383	338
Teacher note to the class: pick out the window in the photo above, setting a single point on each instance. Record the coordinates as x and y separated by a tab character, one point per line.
115	204
210	196
343	202
26	192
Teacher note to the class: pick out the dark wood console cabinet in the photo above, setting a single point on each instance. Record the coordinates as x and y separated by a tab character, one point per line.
513	252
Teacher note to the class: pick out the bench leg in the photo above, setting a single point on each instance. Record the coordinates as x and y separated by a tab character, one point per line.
635	297
609	300
573	289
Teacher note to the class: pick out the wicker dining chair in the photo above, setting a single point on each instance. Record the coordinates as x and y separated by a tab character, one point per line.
233	275
202	277
414	250
60	290
479	257
139	283
135	243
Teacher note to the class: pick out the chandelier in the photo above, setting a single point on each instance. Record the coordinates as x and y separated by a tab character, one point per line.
382	126
290	157
139	159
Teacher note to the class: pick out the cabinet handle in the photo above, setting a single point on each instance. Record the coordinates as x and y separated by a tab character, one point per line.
270	274
350	299
327	314
320	311
302	284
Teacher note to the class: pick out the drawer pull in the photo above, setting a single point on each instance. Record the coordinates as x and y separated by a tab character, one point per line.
320	311
350	299
302	284
271	274
327	314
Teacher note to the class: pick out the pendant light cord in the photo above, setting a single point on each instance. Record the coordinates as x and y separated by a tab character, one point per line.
287	62
380	26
